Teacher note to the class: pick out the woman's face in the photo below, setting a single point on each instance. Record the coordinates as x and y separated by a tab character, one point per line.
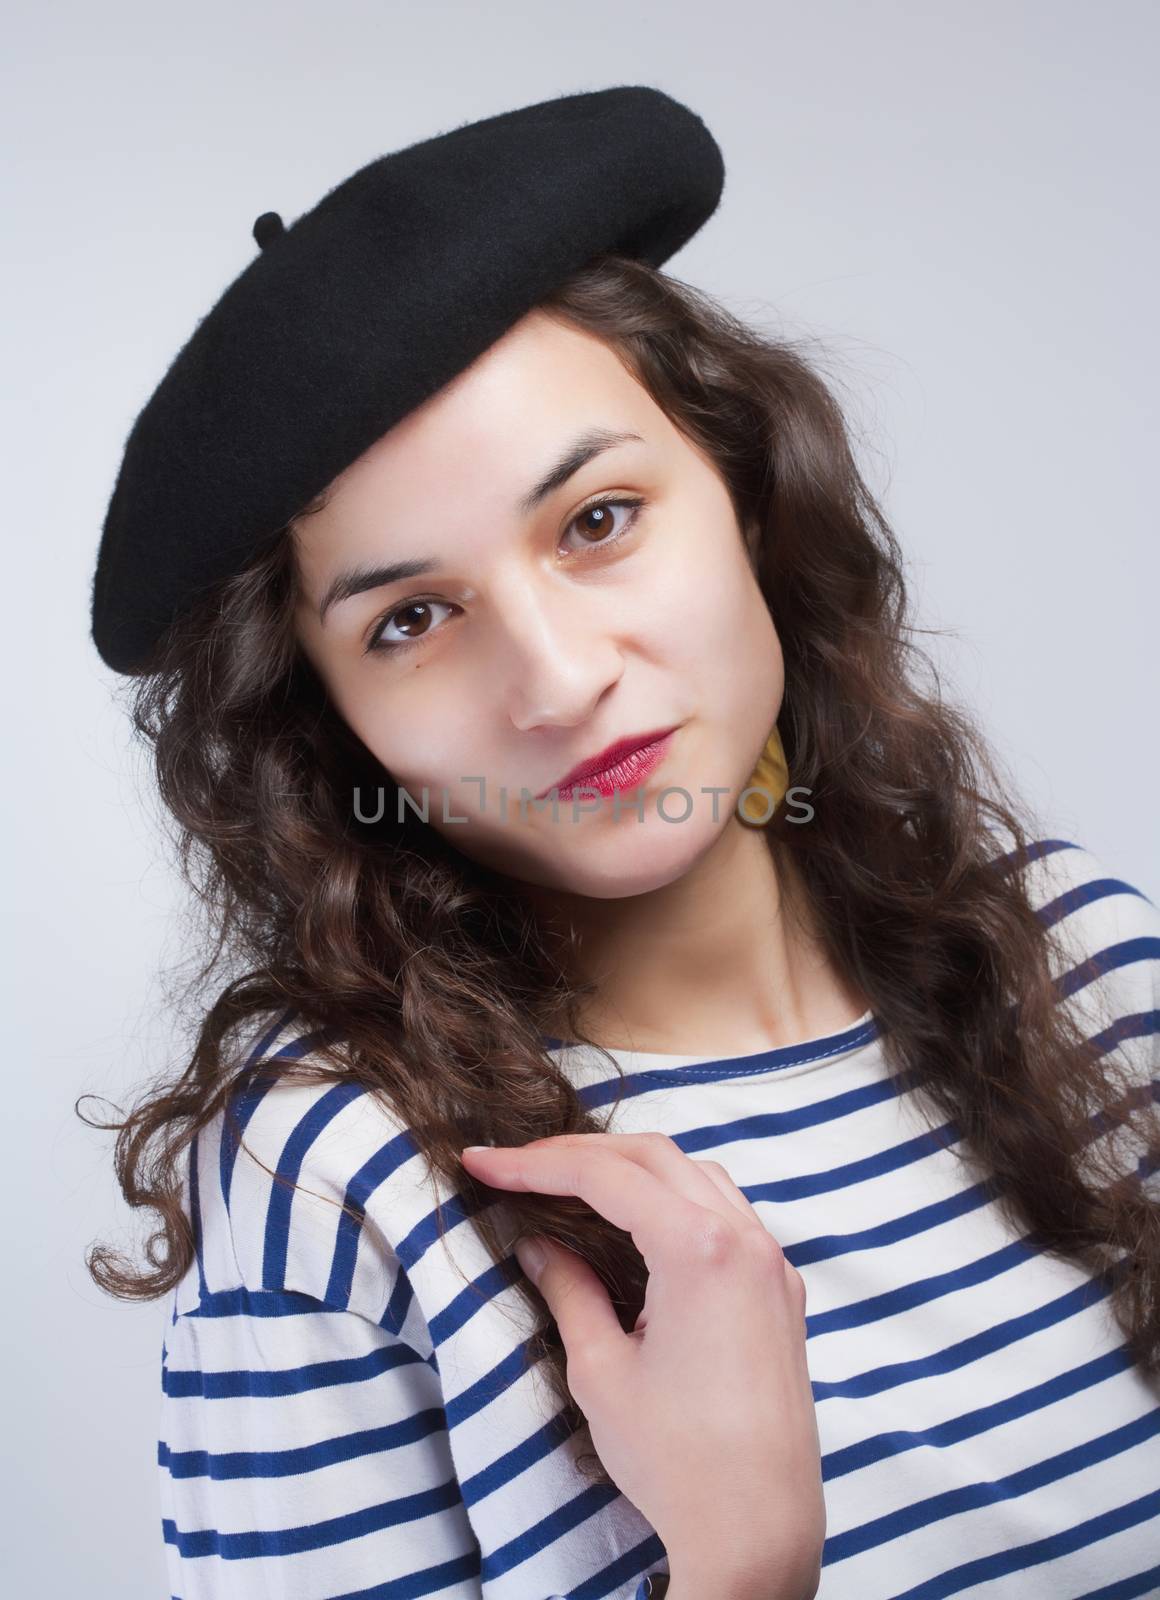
548	621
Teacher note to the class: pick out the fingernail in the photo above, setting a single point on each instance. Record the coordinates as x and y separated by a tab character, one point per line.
468	1147
532	1257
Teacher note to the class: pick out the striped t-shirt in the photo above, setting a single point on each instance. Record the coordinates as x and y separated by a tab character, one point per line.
347	1410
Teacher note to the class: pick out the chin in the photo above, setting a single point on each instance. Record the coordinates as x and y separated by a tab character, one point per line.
616	863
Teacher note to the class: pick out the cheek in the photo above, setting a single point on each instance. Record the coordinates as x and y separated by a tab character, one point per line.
418	752
401	731
708	616
424	748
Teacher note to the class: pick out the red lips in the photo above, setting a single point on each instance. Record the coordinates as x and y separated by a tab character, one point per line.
607	758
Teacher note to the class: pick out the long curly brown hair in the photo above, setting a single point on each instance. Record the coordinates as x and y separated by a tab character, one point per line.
429	981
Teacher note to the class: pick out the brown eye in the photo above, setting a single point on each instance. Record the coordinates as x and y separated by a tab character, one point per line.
406	619
406	625
596	521
599	525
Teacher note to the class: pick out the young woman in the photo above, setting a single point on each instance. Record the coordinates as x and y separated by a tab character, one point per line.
829	1102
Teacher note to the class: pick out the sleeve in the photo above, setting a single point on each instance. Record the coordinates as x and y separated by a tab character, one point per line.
305	1456
304	1451
1109	930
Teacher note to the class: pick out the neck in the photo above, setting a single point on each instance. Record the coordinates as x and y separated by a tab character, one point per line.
728	959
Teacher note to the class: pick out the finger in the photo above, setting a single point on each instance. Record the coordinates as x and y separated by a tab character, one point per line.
701	1181
797	1287
661	1221
717	1173
576	1297
721	1177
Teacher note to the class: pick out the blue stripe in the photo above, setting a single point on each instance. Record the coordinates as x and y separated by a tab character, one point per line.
462	1569
830	1108
471	1299
1098	965
973	1348
282	1191
1037	850
531	1541
970	1424
414	1245
808	1184
243	1302
385	1162
398	1305
303	1458
904	1297
240	1106
314	1535
324	1535
1050	1548
1139	1025
1142	1583
645	1554
195	1214
971	1496
488	1388
827	1246
1084	894
183	1383
537	1447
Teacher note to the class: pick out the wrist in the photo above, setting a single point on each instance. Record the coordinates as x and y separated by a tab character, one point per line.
702	1581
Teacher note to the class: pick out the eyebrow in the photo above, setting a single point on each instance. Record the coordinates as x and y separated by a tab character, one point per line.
584	448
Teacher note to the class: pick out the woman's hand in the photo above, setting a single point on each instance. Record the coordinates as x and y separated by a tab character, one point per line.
703	1415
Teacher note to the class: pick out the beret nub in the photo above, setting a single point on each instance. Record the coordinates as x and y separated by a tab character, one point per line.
268	227
368	304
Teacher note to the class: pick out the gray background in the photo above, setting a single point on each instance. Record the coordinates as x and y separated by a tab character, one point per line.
957	200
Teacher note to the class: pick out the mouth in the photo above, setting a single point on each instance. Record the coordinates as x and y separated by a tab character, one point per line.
623	765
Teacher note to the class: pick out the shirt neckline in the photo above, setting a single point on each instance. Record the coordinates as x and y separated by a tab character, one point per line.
671	1066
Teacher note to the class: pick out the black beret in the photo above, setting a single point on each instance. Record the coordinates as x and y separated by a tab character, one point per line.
365	306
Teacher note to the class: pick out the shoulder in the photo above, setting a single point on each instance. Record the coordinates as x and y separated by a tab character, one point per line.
1102	915
1105	931
308	1185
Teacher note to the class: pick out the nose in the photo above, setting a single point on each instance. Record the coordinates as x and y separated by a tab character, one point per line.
554	655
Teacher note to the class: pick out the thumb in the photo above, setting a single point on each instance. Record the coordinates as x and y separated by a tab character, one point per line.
575	1295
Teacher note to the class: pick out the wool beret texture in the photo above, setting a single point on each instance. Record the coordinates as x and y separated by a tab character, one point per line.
364	307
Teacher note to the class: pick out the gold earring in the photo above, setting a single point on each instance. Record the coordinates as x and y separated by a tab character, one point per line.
771	775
